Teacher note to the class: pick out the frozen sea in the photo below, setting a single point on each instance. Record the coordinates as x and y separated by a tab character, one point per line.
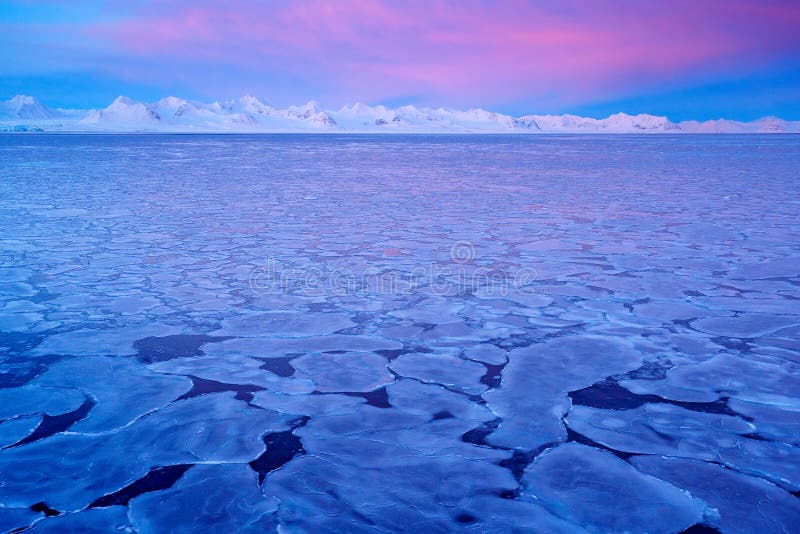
399	333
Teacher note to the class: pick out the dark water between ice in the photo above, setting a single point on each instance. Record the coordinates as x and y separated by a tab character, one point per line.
399	333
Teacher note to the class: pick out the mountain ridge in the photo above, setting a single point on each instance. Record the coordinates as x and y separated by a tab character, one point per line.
248	114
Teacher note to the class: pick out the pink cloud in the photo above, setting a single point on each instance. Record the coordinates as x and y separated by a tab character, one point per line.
476	50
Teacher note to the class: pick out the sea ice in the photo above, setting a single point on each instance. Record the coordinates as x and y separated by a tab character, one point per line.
345	371
726	375
632	366
532	397
93	521
672	431
208	498
601	493
462	375
748	326
285	324
207	429
743	504
100	377
487	353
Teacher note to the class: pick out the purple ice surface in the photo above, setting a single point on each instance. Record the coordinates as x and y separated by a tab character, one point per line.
219	333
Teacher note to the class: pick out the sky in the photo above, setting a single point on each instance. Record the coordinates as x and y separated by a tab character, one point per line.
687	59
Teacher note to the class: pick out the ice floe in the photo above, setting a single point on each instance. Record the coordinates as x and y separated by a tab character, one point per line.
385	333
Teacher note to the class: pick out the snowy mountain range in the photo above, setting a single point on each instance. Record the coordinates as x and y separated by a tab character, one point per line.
250	115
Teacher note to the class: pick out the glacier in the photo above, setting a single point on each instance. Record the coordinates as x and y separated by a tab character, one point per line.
248	114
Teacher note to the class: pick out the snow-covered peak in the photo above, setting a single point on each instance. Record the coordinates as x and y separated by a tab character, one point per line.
251	104
22	100
617	123
171	102
773	125
364	110
175	107
470	120
624	123
408	108
478	115
249	114
221	107
122	114
122	101
25	107
311	114
527	123
305	111
363	116
323	119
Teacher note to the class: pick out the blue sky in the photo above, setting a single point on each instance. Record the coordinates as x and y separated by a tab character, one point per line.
699	59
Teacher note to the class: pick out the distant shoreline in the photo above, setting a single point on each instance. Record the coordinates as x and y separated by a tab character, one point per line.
248	115
405	134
